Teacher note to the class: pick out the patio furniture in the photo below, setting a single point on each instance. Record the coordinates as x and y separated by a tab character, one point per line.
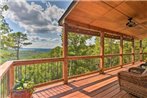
137	70
133	83
144	65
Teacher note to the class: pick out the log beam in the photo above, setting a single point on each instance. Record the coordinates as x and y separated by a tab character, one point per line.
141	55
121	51
133	52
109	32
102	52
65	53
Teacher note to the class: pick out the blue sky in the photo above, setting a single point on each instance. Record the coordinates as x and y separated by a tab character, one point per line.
38	19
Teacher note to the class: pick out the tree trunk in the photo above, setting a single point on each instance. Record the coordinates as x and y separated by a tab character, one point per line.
17	53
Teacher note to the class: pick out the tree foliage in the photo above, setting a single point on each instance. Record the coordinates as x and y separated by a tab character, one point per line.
16	41
4	27
77	44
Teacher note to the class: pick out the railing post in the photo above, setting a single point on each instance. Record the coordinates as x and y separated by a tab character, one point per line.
102	52
133	52
141	54
11	79
121	51
65	51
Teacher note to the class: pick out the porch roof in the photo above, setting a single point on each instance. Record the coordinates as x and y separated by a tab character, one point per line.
109	16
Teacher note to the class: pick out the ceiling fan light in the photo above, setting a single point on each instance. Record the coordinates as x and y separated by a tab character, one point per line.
131	24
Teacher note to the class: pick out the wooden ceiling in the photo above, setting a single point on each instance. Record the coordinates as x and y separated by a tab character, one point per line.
111	15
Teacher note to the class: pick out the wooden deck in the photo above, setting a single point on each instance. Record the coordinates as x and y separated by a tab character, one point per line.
90	86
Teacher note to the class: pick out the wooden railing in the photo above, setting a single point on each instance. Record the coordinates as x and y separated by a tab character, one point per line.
5	76
41	71
4	86
83	66
50	70
111	61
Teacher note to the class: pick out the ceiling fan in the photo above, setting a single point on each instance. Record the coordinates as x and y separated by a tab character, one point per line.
130	23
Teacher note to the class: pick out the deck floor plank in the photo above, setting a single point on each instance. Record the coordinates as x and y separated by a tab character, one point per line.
109	90
120	94
91	86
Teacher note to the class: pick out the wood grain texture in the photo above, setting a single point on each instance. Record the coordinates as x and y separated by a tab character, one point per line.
36	61
11	77
111	16
102	52
133	51
4	68
65	54
121	51
140	48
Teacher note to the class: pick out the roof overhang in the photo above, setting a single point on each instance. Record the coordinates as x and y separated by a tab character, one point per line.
108	16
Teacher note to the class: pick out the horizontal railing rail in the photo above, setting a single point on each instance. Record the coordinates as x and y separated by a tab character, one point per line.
111	55
82	57
36	61
143	53
127	53
4	68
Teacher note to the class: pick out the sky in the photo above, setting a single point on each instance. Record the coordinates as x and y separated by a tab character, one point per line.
38	19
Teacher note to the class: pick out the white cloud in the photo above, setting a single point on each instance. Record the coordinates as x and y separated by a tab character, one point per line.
37	38
55	40
46	44
91	41
33	17
36	19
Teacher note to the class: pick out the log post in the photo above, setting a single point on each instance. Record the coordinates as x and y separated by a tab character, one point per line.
121	52
133	52
141	53
11	79
65	51
102	52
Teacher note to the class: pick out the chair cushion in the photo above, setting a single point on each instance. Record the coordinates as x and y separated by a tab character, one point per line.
145	72
144	65
136	70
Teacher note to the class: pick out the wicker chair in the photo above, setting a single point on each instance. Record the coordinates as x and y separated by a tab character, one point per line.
137	70
144	65
133	83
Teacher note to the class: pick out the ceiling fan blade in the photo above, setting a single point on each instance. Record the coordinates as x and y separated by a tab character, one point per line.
143	24
143	27
137	27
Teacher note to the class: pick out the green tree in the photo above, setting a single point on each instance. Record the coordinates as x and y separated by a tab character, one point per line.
111	46
56	52
77	44
4	30
16	41
144	48
144	45
4	27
